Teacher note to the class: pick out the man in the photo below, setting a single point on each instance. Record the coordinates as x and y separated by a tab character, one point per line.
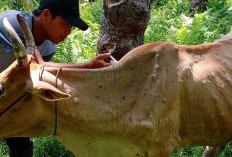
50	24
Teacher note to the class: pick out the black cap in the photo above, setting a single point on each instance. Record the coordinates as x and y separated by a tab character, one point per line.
68	9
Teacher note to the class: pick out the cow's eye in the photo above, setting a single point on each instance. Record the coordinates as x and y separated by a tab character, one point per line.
2	91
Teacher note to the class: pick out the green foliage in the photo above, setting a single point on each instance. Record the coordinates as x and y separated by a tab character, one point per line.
79	47
49	147
3	148
189	152
171	22
228	151
165	20
15	4
64	52
5	5
91	12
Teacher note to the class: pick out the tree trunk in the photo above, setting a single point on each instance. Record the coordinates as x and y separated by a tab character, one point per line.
27	5
123	25
197	6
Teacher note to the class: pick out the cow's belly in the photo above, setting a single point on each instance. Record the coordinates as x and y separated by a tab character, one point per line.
89	145
208	126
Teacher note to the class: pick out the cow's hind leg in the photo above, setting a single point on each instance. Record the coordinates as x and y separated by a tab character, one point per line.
213	151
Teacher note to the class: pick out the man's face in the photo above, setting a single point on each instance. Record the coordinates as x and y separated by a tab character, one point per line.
57	29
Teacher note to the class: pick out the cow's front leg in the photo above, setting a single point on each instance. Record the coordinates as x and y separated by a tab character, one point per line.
159	151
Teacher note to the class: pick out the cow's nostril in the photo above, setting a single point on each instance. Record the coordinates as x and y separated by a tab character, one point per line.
1	90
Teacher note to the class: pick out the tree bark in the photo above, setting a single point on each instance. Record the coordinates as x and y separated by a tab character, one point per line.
123	25
197	6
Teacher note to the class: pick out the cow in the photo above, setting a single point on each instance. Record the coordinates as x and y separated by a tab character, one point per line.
159	97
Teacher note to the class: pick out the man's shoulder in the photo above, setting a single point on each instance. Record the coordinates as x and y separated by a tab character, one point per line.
10	13
11	17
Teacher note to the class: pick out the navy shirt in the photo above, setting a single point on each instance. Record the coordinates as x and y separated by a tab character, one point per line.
47	48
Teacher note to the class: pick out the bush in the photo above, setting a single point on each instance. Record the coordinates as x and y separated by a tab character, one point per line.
49	147
3	148
171	22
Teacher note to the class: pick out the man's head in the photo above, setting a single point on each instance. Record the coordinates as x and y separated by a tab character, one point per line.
54	19
67	9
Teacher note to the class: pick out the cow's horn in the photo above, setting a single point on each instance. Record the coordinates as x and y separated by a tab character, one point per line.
30	44
16	42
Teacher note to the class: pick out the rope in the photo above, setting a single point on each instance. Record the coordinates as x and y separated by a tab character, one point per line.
13	104
55	106
54	133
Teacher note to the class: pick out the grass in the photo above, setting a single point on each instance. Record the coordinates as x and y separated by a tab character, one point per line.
49	147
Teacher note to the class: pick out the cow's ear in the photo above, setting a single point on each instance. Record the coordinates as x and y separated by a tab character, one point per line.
48	92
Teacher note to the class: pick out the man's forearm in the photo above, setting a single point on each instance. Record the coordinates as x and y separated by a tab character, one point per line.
66	65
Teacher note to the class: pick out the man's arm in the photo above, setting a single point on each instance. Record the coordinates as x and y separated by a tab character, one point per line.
96	62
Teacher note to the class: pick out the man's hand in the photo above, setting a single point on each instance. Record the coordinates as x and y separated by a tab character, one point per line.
98	61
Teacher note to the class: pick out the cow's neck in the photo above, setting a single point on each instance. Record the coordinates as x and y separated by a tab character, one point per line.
94	103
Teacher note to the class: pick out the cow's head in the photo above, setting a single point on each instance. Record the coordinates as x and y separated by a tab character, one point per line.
22	76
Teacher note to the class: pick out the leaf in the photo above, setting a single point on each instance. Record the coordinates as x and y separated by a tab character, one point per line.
227	12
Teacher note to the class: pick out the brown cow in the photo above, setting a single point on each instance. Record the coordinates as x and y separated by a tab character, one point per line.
157	98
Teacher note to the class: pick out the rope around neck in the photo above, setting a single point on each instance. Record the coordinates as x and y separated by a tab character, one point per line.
55	106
